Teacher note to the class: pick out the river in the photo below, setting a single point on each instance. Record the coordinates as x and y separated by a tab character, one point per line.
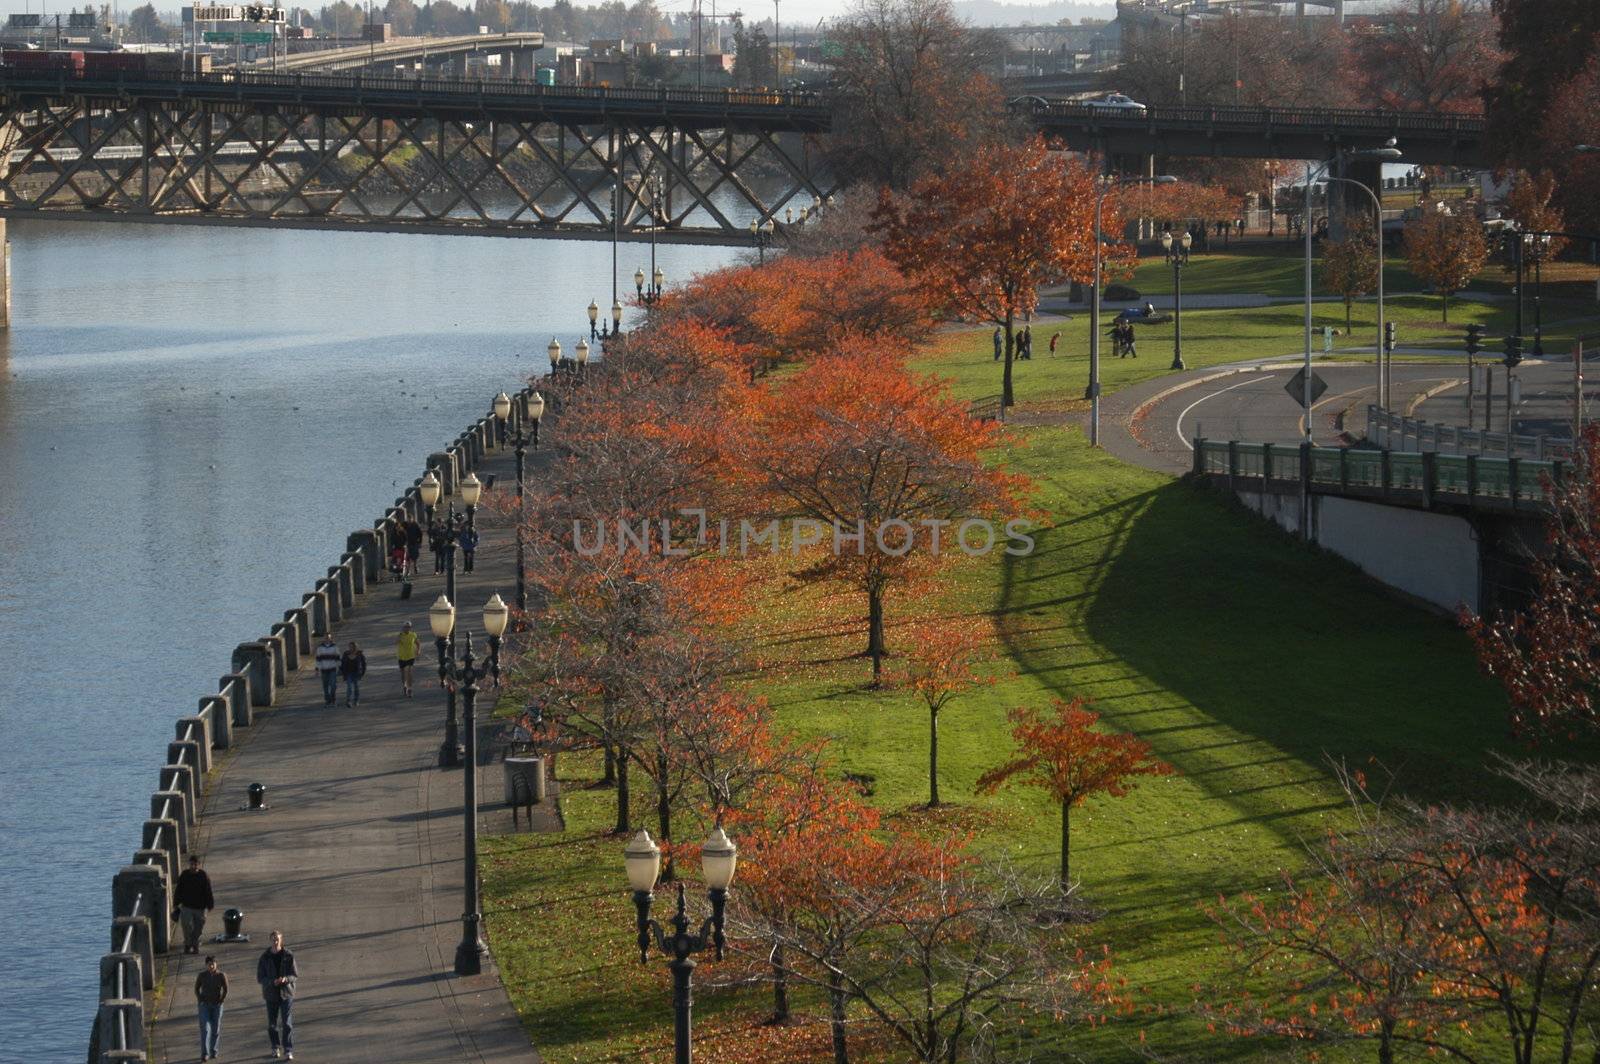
191	421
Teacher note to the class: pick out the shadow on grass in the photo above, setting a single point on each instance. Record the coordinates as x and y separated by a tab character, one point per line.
1264	638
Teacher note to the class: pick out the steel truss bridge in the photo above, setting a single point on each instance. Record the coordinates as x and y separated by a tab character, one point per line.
409	155
513	158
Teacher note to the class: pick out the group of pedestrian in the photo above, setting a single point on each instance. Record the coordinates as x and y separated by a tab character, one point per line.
1123	339
1023	341
333	665
276	972
443	533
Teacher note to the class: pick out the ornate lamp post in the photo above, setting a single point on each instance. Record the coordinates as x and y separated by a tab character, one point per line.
535	410
554	351
471	492
442	620
464	675
642	859
502	410
1541	247
428	491
581	354
594	316
1177	251
616	317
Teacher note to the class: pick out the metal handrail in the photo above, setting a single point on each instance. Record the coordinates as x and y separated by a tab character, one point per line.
1258	116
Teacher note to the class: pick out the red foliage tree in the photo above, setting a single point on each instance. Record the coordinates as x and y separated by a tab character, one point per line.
984	239
1544	654
1066	758
1430	56
941	661
883	461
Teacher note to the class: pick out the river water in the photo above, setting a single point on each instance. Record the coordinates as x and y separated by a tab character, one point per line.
191	421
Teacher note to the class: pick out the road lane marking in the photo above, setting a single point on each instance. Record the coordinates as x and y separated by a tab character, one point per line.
1212	395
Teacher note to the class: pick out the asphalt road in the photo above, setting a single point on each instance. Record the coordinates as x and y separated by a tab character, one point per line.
1251	403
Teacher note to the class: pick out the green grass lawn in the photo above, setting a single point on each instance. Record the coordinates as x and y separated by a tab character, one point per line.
1245	659
1278	269
1216	337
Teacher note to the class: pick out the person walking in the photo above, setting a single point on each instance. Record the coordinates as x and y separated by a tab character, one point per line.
328	668
405	652
469	547
1025	344
193	896
276	973
1129	340
210	991
999	343
397	560
436	543
352	666
413	545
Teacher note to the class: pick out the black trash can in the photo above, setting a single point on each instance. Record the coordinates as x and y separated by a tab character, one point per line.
405	589
232	921
258	795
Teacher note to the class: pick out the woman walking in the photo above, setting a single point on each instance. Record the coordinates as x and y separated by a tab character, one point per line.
352	666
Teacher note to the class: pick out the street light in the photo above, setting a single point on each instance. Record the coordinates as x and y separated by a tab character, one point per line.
1092	393
642	861
464	676
502	410
581	352
1384	357
428	490
442	619
1541	247
1388	151
616	317
535	412
555	354
496	615
1178	255
594	317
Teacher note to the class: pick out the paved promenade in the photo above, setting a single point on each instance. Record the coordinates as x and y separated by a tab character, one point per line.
358	858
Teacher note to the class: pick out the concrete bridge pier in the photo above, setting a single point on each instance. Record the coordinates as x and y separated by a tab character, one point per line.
1348	206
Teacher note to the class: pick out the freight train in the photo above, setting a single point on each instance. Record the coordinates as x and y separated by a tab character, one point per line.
90	65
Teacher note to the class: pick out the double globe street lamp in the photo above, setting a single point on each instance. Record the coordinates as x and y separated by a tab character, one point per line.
471	491
465	675
1177	252
642	859
649	294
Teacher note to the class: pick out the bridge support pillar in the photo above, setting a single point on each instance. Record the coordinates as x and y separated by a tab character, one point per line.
5	277
1347	207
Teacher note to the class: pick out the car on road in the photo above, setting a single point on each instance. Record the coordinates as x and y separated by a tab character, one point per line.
1117	102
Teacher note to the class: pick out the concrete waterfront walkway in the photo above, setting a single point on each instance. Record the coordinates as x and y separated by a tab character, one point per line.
358	858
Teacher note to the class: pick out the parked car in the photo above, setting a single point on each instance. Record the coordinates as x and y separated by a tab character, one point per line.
1119	103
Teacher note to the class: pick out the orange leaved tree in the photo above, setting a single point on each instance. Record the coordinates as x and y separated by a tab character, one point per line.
941	662
986	236
1066	758
885	468
1447	251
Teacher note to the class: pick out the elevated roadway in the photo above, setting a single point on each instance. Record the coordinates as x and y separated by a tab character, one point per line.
404	50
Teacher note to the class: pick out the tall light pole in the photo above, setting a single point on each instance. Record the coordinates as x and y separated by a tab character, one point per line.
1378	346
533	407
1178	256
642	859
1092	393
1388	151
465	675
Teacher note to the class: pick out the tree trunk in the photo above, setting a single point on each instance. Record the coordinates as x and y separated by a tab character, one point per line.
836	999
933	757
1066	813
1347	326
664	814
623	825
875	646
780	986
610	776
1444	306
1005	381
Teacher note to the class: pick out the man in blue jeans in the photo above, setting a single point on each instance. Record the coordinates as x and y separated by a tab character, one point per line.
328	668
210	990
276	973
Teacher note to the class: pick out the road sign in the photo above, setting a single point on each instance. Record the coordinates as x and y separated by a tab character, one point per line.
218	13
1327	338
1297	387
19	22
224	37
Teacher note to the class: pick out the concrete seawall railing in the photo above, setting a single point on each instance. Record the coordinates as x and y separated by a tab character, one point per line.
141	892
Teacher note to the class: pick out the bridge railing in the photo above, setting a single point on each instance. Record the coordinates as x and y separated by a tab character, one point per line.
719	98
1400	433
1255	117
1429	478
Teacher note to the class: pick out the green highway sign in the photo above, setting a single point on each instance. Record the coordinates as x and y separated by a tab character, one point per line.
223	37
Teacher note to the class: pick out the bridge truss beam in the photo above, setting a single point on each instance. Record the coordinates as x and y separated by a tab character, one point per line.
303	166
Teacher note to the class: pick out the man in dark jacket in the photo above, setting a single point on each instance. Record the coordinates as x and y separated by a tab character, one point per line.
210	990
193	895
276	972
